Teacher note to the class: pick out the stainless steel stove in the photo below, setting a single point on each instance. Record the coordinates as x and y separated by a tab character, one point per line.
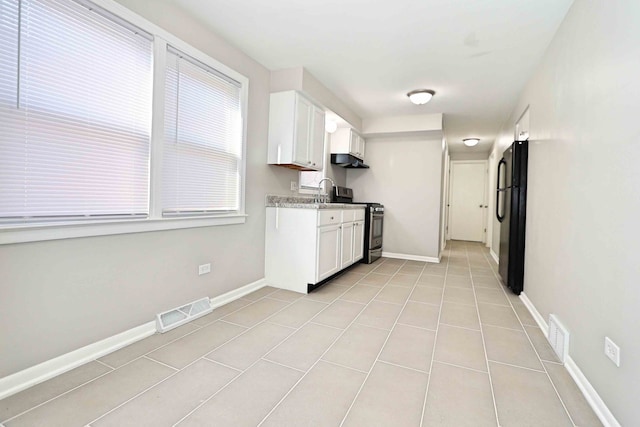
373	222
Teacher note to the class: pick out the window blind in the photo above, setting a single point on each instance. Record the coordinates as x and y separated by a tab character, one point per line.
202	157
75	113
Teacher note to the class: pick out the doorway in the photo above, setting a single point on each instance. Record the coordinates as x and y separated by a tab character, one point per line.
467	200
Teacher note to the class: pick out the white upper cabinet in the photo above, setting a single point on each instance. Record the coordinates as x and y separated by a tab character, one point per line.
296	132
347	141
317	138
360	147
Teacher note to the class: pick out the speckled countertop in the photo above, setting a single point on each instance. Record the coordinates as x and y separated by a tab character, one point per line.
302	202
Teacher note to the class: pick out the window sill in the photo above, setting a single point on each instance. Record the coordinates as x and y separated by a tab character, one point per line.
42	232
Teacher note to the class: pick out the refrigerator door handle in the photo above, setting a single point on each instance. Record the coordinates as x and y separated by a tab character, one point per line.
500	190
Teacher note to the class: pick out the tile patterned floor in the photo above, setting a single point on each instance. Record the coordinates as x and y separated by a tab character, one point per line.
395	343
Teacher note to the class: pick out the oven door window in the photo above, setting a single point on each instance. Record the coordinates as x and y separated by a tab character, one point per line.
376	227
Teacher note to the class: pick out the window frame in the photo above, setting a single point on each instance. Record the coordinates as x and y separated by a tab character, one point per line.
41	231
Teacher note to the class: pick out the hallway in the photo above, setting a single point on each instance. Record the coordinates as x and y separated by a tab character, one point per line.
397	343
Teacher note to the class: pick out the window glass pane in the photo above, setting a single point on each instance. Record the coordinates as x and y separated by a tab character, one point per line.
310	180
75	141
8	52
203	139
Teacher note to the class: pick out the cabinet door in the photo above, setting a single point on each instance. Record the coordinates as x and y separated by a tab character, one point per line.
328	251
301	154
361	147
353	143
346	248
317	139
358	241
356	145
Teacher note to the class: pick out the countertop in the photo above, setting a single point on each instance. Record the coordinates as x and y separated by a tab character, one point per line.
302	202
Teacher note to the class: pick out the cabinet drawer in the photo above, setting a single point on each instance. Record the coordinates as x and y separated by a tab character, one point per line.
348	215
359	215
327	217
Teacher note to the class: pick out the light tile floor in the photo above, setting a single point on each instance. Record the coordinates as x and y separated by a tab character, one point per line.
395	343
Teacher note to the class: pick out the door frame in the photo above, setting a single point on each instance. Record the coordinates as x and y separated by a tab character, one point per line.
445	199
484	195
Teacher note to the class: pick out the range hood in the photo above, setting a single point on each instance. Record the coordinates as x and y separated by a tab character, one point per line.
347	161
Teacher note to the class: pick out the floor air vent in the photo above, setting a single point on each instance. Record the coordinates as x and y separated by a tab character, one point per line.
181	315
558	337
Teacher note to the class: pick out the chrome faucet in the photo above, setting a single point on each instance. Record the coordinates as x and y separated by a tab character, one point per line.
325	198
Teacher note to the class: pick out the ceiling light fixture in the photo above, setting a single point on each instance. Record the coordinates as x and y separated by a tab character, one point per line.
421	96
330	126
470	142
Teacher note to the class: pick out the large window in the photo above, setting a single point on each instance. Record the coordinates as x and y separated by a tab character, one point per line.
75	114
78	140
203	134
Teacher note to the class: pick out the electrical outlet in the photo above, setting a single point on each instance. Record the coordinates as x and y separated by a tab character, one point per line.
204	269
294	186
612	351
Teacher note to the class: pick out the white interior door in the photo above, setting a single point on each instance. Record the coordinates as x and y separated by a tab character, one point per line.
467	201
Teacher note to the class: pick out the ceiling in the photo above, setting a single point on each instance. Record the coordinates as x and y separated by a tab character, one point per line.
476	54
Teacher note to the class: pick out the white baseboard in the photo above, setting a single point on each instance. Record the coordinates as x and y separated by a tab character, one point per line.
411	257
29	377
233	295
590	393
46	370
535	313
494	256
592	396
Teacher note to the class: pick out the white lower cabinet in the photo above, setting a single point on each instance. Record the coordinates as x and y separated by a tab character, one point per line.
358	246
328	258
305	246
346	248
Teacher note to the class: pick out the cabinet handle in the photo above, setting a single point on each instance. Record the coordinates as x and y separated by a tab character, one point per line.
308	163
331	217
314	164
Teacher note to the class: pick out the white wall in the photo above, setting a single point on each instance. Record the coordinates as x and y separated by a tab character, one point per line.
335	172
303	81
583	237
413	123
57	296
405	176
469	155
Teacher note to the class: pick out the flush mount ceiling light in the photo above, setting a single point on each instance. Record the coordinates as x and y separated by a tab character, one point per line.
421	96
330	126
470	142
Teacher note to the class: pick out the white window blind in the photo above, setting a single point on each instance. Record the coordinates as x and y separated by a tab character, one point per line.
75	113
310	180
203	139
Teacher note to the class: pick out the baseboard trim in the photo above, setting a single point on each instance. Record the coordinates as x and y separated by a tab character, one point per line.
411	257
535	313
29	377
233	295
590	393
494	256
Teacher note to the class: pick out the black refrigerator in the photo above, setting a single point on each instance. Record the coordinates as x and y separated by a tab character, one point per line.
511	211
